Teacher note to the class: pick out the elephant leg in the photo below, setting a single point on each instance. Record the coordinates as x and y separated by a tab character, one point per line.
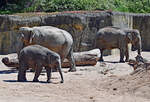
101	57
139	51
48	71
22	73
60	72
127	54
71	61
121	55
37	73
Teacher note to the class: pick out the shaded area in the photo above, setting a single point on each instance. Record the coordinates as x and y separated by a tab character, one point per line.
113	62
43	82
8	71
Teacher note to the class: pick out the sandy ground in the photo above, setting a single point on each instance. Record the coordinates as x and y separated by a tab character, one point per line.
104	82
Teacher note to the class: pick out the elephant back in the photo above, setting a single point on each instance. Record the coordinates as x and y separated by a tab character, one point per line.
53	38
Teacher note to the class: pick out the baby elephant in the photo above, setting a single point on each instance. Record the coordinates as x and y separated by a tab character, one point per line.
37	57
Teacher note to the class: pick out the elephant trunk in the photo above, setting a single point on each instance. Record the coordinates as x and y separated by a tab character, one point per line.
20	47
139	48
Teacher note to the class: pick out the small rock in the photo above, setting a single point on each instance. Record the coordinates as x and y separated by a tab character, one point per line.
91	97
114	89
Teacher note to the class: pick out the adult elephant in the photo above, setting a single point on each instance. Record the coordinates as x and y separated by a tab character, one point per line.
53	38
113	37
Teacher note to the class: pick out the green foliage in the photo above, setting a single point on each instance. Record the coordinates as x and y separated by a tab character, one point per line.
34	7
137	6
5	12
69	5
142	6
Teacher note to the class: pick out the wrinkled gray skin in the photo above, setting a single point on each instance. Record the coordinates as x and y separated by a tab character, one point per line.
113	37
53	38
37	57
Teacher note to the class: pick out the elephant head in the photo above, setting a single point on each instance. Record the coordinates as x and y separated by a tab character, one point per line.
26	35
134	38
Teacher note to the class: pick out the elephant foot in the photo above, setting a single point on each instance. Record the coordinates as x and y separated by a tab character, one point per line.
101	60
35	80
20	80
72	70
61	81
48	81
122	61
127	60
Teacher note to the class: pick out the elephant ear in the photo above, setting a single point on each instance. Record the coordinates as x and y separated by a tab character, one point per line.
129	37
26	34
32	34
22	36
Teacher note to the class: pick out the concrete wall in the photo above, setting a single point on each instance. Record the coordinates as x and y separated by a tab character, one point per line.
142	22
122	20
9	26
82	26
135	21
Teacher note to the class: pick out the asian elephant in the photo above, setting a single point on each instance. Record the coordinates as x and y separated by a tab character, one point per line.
37	57
113	37
55	39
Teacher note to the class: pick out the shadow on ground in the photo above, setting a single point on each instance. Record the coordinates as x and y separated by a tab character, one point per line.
110	62
8	71
43	82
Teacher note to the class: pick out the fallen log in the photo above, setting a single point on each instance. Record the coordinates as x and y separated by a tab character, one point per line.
85	58
10	62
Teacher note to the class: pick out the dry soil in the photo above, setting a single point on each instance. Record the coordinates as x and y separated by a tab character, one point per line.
108	81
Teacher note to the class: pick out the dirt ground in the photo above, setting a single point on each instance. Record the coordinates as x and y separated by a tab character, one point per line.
108	81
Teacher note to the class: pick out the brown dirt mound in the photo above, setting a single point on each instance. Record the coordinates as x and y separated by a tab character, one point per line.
137	84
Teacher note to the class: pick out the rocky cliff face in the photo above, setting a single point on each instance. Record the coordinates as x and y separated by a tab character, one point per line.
81	25
142	22
9	26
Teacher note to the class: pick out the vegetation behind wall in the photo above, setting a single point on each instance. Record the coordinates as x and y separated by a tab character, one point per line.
15	6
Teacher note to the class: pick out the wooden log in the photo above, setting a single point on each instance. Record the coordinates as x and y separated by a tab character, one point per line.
85	58
10	62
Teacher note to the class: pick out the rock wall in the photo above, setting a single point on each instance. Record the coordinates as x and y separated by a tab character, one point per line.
81	25
135	21
9	26
122	20
142	22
